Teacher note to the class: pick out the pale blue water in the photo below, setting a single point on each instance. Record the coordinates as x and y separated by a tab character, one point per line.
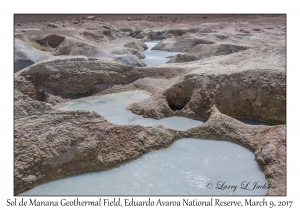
155	57
187	167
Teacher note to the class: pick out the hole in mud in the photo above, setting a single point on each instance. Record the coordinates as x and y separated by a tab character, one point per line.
178	96
80	95
41	96
177	103
175	108
52	41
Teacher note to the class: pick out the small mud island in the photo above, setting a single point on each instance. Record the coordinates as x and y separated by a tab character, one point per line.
178	76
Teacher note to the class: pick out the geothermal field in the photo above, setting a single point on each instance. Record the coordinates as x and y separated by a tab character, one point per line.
149	104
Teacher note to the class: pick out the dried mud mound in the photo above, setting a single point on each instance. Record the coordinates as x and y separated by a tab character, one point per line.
73	47
179	58
180	45
252	88
137	45
237	95
130	60
248	94
181	32
71	77
58	143
100	34
94	35
216	37
128	51
25	106
63	45
60	45
204	51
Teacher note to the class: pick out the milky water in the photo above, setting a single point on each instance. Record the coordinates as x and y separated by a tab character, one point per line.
155	57
112	107
188	167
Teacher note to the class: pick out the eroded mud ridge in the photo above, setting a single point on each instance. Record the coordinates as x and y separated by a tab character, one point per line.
226	67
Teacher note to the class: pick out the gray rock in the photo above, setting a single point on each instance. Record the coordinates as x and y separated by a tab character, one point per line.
130	60
266	153
139	36
138	45
53	25
158	33
129	51
75	22
179	58
129	19
94	35
18	24
71	47
243	30
108	34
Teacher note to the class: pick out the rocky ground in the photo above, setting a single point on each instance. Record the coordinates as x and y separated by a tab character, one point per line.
231	66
